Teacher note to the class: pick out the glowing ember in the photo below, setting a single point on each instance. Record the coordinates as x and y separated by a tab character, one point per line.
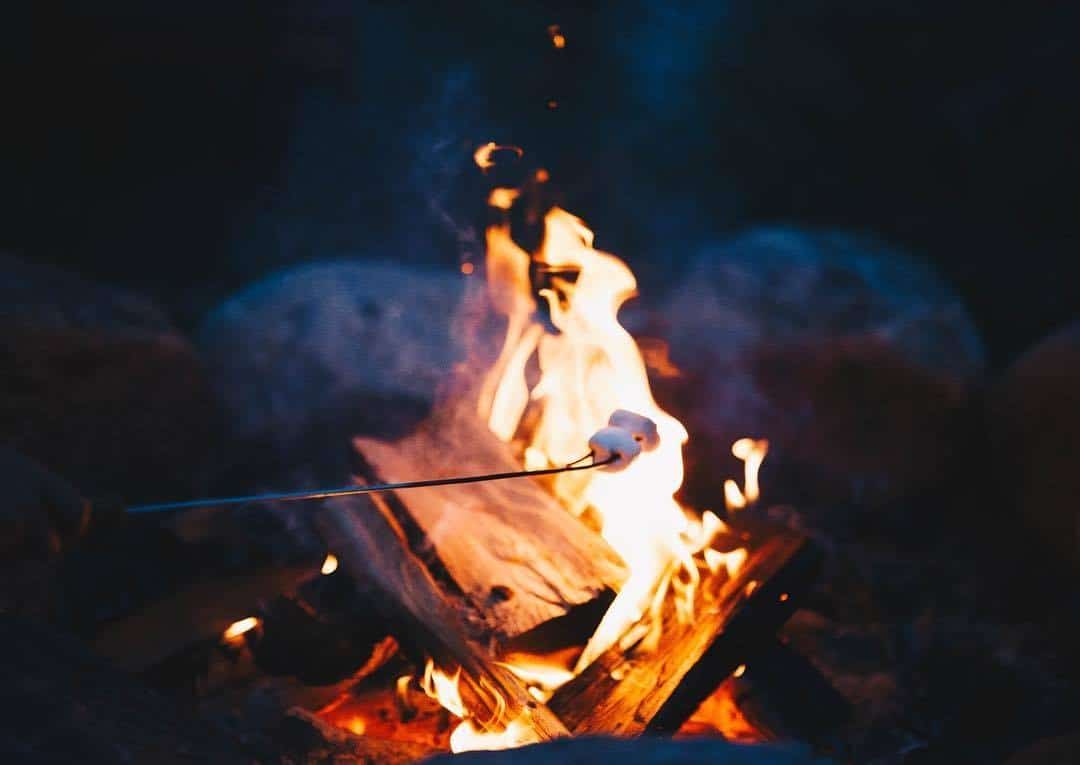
238	628
329	565
557	38
720	714
357	725
485	155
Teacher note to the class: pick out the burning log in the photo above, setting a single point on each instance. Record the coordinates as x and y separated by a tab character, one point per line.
372	549
514	552
200	612
628	693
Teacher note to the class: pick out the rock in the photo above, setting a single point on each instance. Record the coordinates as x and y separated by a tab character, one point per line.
1033	418
640	751
319	341
852	358
39	296
1061	750
97	386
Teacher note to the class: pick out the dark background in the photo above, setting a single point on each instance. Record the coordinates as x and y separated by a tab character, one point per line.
185	149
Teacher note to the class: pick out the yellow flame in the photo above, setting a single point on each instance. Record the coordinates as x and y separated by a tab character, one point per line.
541	678
357	725
733	496
484	155
739	671
752	452
468	737
590	368
329	565
238	628
557	38
503	198
443	688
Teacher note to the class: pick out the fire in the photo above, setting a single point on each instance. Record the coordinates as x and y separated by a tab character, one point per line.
752	452
470	734
329	565
238	628
589	367
561	309
557	37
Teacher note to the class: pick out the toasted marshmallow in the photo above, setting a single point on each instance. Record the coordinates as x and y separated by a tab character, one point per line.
617	442
640	427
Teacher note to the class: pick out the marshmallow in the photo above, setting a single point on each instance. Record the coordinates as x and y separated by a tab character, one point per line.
614	441
640	427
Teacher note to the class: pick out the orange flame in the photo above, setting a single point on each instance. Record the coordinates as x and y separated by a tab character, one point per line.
557	38
329	565
589	369
238	628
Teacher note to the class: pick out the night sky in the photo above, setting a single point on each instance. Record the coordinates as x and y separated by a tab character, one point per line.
185	149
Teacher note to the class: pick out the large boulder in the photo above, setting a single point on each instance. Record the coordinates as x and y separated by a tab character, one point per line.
344	343
97	385
1033	418
854	359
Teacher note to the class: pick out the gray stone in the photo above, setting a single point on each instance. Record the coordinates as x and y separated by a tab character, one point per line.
851	357
1033	417
303	341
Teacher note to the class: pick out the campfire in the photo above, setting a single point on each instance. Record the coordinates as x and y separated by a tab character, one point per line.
520	567
587	601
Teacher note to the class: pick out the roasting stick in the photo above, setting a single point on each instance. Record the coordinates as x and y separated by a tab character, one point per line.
612	448
346	491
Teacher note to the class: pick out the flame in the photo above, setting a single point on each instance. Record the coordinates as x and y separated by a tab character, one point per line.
443	688
467	737
357	725
752	452
720	713
561	309
329	565
557	38
470	734
734	499
542	676
238	628
484	155
590	368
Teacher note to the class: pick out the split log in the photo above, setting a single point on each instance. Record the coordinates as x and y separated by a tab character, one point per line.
628	693
200	612
513	551
63	704
785	697
371	548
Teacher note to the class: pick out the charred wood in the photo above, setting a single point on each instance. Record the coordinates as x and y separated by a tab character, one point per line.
629	693
372	550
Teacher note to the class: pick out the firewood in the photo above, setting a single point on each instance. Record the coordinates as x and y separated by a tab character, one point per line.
628	693
201	611
785	697
514	552
372	550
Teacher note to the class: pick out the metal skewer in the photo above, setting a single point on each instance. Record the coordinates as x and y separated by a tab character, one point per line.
350	490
